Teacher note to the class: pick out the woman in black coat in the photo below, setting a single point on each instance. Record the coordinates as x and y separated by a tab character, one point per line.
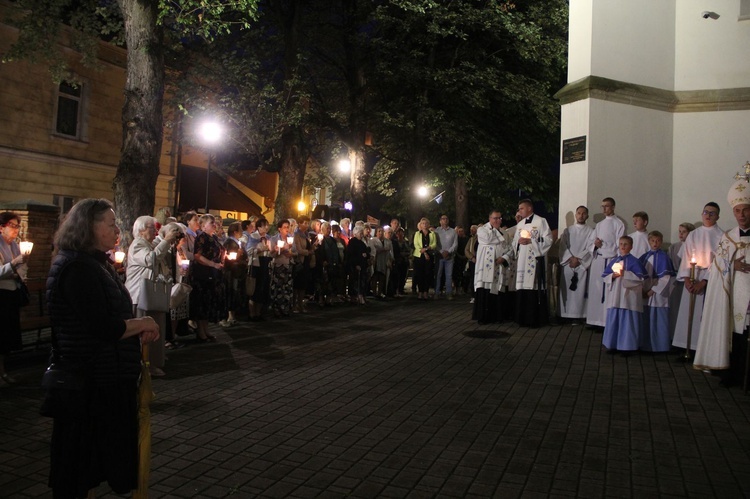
92	382
357	255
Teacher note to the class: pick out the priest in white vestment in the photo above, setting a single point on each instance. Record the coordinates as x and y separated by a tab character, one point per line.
700	245
531	243
604	248
722	344
493	254
575	260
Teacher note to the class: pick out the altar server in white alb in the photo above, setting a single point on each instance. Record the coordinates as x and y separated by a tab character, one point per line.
493	254
607	235
575	259
531	243
700	247
722	344
640	234
623	279
660	274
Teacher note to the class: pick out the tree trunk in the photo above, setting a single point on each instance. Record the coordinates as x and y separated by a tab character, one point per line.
291	175
462	204
359	174
134	184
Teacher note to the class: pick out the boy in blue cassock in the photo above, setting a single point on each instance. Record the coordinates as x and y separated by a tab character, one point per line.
658	265
623	279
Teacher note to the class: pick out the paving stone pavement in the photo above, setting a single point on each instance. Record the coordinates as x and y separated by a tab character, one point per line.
406	398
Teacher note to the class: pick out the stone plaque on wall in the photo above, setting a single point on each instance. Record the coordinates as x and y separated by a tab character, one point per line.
574	150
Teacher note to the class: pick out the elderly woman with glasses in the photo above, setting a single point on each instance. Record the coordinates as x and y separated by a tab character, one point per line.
12	272
146	257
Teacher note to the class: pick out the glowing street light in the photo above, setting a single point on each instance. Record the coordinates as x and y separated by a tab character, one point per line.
211	132
345	166
422	191
348	206
301	207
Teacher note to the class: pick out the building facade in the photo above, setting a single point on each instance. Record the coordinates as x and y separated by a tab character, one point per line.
656	112
61	142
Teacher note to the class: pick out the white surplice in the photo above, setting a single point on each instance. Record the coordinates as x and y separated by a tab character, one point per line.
609	231
576	241
526	254
492	245
701	244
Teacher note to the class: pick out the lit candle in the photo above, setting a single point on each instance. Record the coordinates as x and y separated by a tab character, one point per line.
119	256
525	233
617	268
185	264
280	244
320	237
26	247
290	240
232	255
692	261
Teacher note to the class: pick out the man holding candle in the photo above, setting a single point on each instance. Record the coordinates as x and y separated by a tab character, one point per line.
531	243
699	249
722	342
604	247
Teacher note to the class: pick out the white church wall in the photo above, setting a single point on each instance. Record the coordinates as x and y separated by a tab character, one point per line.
574	176
630	160
709	148
579	40
631	41
711	53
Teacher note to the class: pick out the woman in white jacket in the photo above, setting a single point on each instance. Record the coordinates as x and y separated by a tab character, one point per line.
143	256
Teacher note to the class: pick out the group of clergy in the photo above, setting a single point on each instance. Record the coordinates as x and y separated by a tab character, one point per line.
618	283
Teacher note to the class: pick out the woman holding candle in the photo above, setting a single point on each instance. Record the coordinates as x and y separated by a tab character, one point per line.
12	273
146	255
235	270
259	256
281	280
425	243
207	301
304	249
96	353
178	268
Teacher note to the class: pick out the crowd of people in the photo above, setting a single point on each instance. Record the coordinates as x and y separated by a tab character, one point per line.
694	296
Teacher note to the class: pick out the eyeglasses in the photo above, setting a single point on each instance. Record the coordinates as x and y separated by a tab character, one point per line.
711	213
12	225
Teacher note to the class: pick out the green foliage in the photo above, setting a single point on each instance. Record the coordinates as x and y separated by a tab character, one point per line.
206	19
465	90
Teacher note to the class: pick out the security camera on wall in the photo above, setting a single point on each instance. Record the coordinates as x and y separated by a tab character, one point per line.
709	15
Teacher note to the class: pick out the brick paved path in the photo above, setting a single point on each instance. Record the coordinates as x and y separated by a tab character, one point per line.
410	399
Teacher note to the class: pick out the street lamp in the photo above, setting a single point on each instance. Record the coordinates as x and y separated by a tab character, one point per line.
211	133
301	207
422	191
345	166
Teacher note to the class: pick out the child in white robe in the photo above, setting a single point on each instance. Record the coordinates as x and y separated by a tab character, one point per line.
640	235
658	265
623	279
